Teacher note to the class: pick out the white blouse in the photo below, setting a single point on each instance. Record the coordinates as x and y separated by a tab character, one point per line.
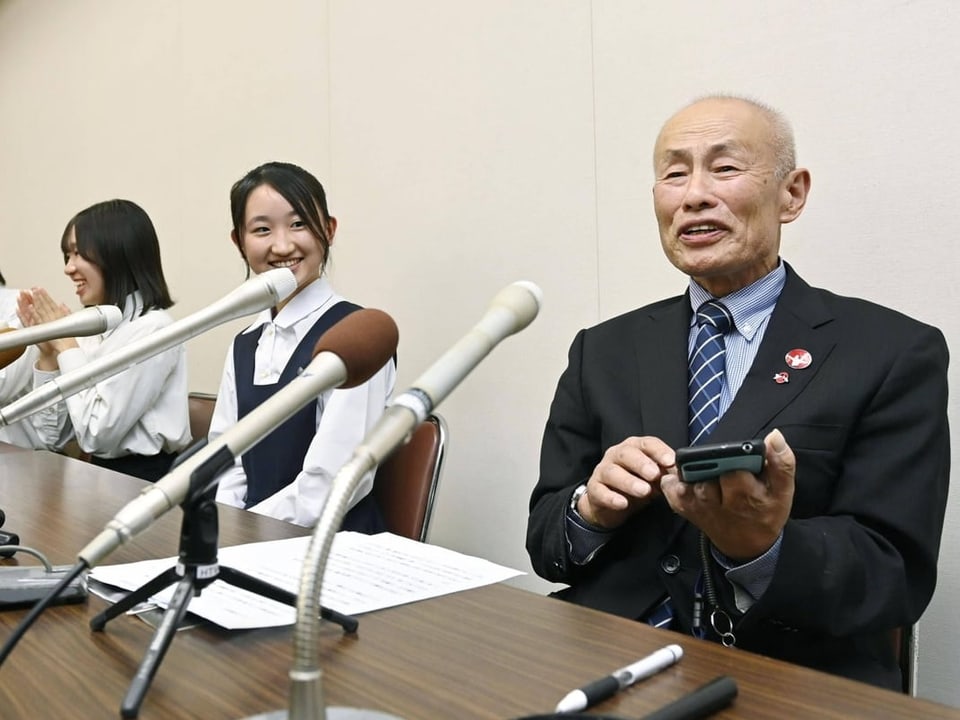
343	416
16	380
141	410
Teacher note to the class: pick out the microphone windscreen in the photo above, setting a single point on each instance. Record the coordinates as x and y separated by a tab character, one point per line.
112	315
281	281
523	299
365	340
8	356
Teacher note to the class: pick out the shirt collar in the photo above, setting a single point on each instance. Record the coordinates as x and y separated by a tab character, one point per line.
313	297
132	305
749	306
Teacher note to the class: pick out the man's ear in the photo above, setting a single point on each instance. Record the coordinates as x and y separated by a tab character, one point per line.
796	187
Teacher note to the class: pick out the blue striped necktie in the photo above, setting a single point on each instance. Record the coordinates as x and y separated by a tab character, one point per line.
662	615
707	368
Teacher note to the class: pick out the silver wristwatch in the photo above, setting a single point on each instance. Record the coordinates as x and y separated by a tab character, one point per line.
575	498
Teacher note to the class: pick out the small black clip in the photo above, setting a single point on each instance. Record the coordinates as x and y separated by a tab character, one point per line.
8	538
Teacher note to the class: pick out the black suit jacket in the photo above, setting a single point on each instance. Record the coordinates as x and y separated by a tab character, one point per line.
867	422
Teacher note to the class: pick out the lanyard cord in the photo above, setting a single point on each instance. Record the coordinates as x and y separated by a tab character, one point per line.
719	619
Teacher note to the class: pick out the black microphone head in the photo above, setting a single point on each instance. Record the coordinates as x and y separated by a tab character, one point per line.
365	340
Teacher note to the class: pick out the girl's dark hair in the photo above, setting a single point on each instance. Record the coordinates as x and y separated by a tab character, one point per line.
297	186
118	237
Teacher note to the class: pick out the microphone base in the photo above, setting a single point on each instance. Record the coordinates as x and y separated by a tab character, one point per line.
332	713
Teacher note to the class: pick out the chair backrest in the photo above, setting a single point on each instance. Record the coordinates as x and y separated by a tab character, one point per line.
406	482
905	646
201	410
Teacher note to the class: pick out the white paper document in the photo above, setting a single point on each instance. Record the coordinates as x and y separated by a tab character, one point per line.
363	573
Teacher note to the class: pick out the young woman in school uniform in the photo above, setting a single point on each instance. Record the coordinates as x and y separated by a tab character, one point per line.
135	421
280	219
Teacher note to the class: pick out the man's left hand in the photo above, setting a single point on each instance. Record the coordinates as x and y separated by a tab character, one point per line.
741	513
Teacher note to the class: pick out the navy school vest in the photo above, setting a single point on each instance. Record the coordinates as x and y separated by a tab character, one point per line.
276	460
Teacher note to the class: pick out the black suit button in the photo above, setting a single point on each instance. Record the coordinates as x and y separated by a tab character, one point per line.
670	564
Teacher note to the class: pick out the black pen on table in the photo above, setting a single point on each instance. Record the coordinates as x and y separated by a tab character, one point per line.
606	687
702	702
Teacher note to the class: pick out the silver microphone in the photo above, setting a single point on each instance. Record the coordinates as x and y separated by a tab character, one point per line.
510	311
256	294
89	321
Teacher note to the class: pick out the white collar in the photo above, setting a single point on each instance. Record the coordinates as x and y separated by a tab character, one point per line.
315	296
132	305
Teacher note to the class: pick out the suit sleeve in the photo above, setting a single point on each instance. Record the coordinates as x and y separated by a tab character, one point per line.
569	452
869	562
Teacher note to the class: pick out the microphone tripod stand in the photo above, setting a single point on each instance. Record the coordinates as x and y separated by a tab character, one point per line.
196	568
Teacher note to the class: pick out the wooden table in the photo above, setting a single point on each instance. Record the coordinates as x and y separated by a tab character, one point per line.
495	652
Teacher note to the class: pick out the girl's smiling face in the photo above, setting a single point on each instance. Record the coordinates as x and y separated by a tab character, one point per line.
274	236
86	276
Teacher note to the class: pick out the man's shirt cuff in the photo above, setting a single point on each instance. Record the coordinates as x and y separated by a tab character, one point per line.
583	539
751	579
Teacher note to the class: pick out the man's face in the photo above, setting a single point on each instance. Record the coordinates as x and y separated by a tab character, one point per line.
718	202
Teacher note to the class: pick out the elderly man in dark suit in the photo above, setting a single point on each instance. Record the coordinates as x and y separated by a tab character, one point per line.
832	546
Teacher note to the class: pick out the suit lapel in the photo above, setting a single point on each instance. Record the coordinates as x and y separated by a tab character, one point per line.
799	321
661	362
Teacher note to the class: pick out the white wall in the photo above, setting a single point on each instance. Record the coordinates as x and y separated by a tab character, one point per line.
462	161
465	145
163	103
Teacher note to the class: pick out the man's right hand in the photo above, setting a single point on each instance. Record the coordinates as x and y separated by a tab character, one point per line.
625	480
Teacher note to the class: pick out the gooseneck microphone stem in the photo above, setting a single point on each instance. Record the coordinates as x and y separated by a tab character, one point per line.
306	688
510	311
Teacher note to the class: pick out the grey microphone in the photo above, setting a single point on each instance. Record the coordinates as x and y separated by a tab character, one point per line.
256	294
510	311
346	355
89	321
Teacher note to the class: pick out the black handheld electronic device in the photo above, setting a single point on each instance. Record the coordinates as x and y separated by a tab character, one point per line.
708	462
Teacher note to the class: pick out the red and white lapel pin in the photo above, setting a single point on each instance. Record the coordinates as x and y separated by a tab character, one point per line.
796	359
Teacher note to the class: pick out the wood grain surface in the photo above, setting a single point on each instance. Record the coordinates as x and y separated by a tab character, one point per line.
494	652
